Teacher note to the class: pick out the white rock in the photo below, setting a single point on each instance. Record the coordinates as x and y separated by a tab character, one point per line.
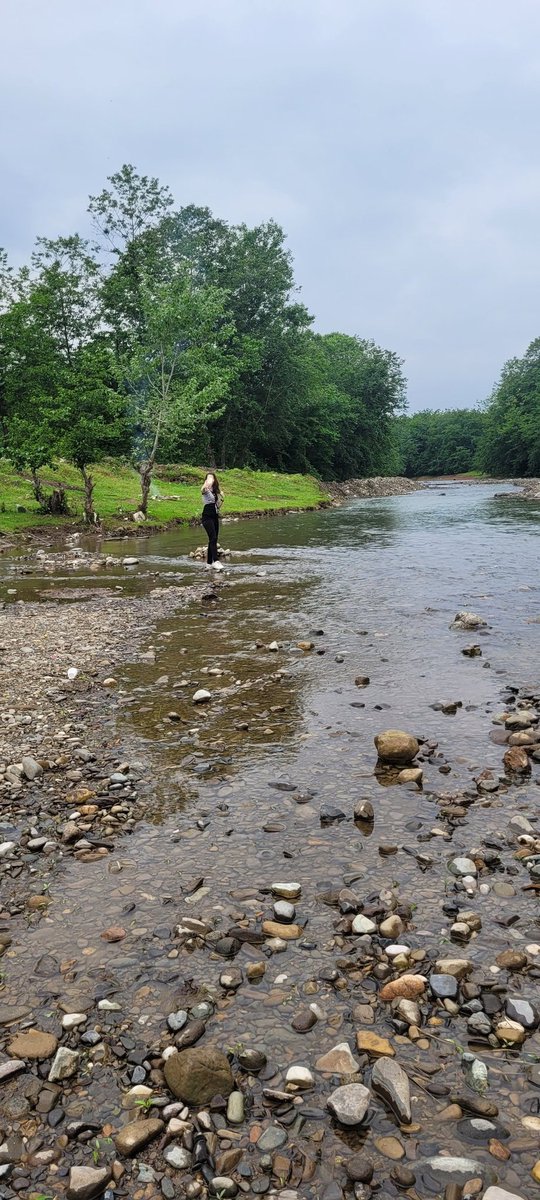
71	1020
301	1077
363	924
201	696
393	951
6	848
72	672
64	1064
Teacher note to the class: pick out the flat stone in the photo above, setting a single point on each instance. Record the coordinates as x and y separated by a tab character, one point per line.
64	1064
271	1139
13	1012
87	1183
372	1044
33	1043
284	911
448	1168
458	967
350	1103
273	929
390	1082
287	891
391	1147
137	1134
338	1061
177	1157
445	987
363	924
462	866
522	1011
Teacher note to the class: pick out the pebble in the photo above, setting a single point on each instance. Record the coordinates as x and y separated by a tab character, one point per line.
390	1146
134	1136
85	1183
389	1080
300	1076
64	1064
177	1020
363	924
272	1138
338	1061
350	1103
177	1157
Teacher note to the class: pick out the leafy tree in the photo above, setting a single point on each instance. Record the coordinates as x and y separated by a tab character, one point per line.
439	442
179	373
511	444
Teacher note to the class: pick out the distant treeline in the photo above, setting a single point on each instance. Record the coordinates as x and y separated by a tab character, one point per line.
175	336
500	438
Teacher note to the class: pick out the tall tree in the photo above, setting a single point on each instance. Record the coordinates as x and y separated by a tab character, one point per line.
179	371
511	445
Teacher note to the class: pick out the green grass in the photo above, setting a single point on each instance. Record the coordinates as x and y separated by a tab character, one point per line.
176	494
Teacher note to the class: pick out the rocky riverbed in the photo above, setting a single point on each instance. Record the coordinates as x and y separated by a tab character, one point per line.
248	948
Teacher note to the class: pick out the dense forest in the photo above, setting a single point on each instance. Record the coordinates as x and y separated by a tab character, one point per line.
501	438
175	336
439	443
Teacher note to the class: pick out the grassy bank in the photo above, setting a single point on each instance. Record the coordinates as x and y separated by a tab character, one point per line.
176	495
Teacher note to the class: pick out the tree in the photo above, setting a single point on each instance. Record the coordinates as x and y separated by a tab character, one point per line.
439	443
511	444
179	371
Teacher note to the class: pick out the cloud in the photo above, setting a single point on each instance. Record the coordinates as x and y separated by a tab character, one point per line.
395	140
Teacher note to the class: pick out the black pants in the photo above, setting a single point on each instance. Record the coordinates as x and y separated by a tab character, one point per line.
210	521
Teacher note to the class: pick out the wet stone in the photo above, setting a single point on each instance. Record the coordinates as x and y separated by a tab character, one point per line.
359	1168
272	1138
304	1021
177	1157
350	1103
444	986
390	1082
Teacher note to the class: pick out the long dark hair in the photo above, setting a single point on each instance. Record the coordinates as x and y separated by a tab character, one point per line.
215	486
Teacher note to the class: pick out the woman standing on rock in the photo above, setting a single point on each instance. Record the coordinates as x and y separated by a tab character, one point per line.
213	499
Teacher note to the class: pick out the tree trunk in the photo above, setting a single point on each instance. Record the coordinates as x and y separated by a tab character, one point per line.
90	515
38	491
146	482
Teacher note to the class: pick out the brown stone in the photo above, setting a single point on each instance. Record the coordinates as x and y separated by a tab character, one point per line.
198	1074
395	746
370	1043
407	987
391	1147
289	933
137	1134
516	759
114	934
33	1043
511	960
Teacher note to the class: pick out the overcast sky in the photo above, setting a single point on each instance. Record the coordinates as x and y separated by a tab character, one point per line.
395	140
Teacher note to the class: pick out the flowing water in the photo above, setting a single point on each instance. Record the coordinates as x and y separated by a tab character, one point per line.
375	586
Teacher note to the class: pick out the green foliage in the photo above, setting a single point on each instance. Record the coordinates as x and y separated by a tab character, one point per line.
178	335
511	443
438	443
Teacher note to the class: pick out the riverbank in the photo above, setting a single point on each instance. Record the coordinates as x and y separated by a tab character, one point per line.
175	498
213	906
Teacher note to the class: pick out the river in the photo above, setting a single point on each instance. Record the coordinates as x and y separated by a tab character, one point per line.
233	796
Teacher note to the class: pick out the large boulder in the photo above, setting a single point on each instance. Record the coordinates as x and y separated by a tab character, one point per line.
395	746
198	1074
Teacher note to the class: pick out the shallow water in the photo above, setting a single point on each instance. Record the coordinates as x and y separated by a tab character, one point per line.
377	584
